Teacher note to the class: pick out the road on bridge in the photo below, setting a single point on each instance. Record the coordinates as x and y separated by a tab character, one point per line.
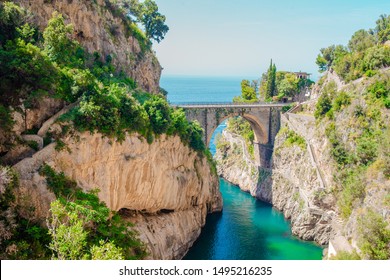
228	105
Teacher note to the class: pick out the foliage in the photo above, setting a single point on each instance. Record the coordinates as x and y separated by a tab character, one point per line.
293	138
158	111
146	13
248	92
344	255
329	55
12	18
289	86
324	105
19	238
374	236
353	190
341	101
6	122
27	74
271	81
106	251
57	43
366	52
361	40
382	29
153	21
67	233
80	222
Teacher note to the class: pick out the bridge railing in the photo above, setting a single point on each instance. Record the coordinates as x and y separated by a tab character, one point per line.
225	103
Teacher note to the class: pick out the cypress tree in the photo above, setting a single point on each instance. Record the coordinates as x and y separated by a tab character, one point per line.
271	81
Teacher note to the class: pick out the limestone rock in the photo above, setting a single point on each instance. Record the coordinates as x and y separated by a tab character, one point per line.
97	29
236	166
156	179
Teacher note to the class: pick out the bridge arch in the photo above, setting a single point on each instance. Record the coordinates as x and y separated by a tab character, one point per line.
257	127
264	119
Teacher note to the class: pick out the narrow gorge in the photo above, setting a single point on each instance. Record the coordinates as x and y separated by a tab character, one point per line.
100	162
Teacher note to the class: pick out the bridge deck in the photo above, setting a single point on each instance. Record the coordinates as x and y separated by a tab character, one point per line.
228	105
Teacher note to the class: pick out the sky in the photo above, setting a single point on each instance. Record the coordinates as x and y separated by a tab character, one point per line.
239	38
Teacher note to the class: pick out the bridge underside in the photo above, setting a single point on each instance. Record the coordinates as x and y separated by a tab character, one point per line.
264	120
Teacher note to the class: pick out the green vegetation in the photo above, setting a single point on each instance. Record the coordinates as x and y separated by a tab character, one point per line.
277	85
356	125
359	149
343	255
242	127
248	92
365	53
292	138
271	81
82	227
109	102
145	12
374	236
20	238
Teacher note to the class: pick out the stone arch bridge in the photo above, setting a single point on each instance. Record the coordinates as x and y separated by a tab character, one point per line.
264	119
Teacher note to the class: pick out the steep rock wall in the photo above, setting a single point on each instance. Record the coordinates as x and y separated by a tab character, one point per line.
97	29
236	166
292	184
297	189
165	183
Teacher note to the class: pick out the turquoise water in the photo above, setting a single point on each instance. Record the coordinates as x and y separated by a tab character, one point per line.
247	229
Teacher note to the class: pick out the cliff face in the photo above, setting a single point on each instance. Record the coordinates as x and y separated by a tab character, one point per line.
166	186
328	174
297	187
235	165
97	29
292	185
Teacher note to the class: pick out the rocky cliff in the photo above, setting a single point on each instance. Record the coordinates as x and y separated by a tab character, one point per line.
291	185
100	28
235	164
330	174
297	186
166	187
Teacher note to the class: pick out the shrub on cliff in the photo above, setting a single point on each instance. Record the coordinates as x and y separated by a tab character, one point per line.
83	227
19	238
374	236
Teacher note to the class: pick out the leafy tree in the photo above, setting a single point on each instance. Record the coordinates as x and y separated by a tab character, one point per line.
67	233
374	236
12	17
329	55
382	29
289	85
361	40
248	92
376	57
322	63
158	111
26	73
106	251
153	22
58	45
323	106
